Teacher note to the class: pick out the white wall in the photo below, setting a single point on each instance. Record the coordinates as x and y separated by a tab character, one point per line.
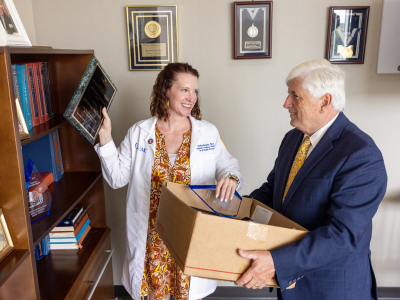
243	98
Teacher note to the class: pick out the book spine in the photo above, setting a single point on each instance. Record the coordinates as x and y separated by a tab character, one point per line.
47	178
24	93
37	92
84	236
15	82
45	243
41	90
53	146
32	95
47	88
59	155
78	225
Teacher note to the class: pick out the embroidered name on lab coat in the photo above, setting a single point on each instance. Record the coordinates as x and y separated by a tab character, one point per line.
140	148
206	147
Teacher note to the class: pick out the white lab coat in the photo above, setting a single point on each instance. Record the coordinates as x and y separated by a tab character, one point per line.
132	164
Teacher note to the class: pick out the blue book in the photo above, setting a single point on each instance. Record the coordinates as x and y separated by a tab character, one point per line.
74	239
55	148
42	153
45	244
24	94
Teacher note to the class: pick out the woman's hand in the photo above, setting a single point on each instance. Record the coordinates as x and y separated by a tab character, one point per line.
105	130
226	188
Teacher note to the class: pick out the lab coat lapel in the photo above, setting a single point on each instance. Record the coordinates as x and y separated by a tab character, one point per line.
150	134
196	134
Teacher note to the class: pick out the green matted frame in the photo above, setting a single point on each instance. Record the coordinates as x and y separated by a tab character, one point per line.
152	36
75	102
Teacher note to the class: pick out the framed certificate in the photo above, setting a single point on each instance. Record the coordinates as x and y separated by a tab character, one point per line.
347	34
152	36
253	29
12	32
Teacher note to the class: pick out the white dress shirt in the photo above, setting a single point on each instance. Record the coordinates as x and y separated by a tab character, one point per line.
317	136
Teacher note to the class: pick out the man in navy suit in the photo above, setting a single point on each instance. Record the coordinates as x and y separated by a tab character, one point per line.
336	189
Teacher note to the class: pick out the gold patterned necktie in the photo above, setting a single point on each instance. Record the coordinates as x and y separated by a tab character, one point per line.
298	162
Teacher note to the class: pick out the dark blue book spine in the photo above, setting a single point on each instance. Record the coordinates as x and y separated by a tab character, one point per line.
45	244
59	155
24	94
54	157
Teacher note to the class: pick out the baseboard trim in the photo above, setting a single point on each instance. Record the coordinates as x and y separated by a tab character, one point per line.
234	292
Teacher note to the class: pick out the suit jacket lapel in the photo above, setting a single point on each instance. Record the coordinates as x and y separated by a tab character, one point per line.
288	159
323	147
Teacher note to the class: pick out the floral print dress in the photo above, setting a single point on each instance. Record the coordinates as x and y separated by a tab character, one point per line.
161	274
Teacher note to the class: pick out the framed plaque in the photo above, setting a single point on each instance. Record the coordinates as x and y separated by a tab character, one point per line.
253	29
347	34
152	36
6	244
95	91
12	32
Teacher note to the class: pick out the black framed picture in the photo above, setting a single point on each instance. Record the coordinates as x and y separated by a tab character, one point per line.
253	29
347	34
152	36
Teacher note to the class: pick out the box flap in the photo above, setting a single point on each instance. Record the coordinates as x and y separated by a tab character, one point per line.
276	218
184	193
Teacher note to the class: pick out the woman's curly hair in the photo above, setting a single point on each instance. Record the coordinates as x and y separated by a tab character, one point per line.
164	82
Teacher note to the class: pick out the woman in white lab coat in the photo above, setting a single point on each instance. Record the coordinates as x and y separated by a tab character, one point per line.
174	145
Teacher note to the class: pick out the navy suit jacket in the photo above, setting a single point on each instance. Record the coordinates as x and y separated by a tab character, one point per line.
335	194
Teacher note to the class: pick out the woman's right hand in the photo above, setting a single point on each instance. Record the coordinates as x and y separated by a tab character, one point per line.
105	130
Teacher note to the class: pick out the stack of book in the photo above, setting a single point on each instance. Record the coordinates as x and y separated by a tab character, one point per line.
32	88
72	230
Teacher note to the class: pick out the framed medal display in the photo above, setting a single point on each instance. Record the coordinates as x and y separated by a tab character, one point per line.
152	36
347	34
253	29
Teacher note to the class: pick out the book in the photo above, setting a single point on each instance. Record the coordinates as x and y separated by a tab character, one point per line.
47	88
32	94
95	91
74	239
39	90
38	95
73	230
44	155
47	177
84	236
58	153
64	246
24	94
71	217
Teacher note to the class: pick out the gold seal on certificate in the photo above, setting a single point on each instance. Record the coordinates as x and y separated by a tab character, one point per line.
152	29
252	31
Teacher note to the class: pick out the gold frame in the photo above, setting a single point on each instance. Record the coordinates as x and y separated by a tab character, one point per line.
10	247
24	134
129	44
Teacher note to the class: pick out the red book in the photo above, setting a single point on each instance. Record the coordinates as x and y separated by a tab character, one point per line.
39	99
38	71
84	236
32	94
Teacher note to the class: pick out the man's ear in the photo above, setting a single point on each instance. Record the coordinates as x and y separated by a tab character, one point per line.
325	103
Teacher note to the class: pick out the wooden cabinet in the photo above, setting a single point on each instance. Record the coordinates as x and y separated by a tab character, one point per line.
65	274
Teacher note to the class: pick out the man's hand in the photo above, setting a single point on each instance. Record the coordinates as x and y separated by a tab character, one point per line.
261	271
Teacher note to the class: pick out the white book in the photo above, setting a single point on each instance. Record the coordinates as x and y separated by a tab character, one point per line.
57	235
61	246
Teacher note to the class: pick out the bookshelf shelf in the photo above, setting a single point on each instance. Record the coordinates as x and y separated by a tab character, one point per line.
66	193
11	263
44	129
59	271
60	274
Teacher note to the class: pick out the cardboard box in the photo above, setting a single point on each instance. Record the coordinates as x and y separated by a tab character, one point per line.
205	245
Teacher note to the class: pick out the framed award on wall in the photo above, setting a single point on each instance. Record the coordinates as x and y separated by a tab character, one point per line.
152	36
347	34
253	29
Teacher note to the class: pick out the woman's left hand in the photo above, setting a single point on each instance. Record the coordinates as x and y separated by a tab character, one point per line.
226	188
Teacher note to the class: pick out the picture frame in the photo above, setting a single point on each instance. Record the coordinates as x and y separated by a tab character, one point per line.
12	32
152	36
6	244
22	128
253	29
347	34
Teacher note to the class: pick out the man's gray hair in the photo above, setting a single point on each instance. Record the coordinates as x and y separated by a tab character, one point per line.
320	77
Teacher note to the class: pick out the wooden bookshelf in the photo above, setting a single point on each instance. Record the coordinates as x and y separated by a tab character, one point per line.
61	274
